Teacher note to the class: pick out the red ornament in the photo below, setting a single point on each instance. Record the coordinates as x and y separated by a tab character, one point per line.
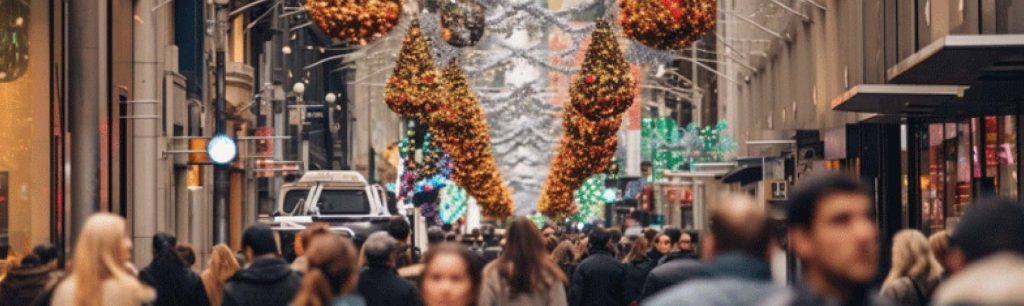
428	79
590	79
393	80
677	13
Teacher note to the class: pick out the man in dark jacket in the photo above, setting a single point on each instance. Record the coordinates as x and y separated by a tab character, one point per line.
737	247
379	284
269	280
832	230
598	279
175	284
37	274
675	267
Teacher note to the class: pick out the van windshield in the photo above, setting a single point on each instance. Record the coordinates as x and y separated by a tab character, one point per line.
292	198
343	202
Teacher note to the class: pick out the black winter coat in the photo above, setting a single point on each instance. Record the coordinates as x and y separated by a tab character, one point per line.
24	284
175	284
636	275
382	286
597	281
675	268
267	282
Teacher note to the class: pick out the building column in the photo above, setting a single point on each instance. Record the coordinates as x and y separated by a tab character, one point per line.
87	72
146	117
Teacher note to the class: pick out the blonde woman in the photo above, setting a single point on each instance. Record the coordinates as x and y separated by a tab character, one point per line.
98	274
223	265
915	271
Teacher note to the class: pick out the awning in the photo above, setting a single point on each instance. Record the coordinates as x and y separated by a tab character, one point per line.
744	175
917	101
962	60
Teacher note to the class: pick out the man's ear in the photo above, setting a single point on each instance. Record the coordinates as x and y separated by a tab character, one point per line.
800	242
707	248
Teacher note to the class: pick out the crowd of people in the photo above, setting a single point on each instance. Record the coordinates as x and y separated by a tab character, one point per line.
830	229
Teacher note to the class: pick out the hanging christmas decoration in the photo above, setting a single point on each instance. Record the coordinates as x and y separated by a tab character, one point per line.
462	22
358	21
453	203
672	148
599	96
414	89
14	21
667	24
590	198
461	130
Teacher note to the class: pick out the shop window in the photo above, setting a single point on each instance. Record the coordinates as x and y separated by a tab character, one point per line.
24	127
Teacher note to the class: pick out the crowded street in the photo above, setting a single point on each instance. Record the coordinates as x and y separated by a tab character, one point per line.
511	152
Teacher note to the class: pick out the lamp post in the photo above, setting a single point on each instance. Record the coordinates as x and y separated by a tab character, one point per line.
298	89
220	172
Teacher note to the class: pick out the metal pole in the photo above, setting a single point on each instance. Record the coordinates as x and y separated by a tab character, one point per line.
220	172
372	158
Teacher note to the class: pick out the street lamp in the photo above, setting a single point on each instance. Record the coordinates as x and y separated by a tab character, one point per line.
220	170
331	98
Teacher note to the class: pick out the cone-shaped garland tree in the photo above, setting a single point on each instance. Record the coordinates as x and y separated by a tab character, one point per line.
413	91
462	131
600	94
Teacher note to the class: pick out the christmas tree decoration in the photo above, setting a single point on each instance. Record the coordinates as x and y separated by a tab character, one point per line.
14	21
414	89
606	88
600	95
667	24
357	21
462	131
462	22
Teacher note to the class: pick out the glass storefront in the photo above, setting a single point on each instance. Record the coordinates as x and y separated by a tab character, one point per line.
25	126
961	160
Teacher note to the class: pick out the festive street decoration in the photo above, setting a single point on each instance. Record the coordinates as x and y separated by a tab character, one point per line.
672	148
591	199
14	21
461	130
462	22
453	203
667	24
599	96
358	21
414	89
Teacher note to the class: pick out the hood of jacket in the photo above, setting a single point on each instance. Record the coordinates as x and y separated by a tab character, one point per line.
264	271
27	277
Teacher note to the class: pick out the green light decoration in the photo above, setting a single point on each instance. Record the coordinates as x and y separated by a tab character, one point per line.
673	148
453	203
590	199
538	219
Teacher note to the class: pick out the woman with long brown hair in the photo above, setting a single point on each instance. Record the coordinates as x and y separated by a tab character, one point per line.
524	274
638	265
222	266
915	272
333	273
98	274
451	276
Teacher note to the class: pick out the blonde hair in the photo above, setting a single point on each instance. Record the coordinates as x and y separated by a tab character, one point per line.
223	265
98	258
939	242
912	258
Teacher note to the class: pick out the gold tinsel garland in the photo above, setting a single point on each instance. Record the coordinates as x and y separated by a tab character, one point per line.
600	94
447	106
359	21
666	24
461	129
414	89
